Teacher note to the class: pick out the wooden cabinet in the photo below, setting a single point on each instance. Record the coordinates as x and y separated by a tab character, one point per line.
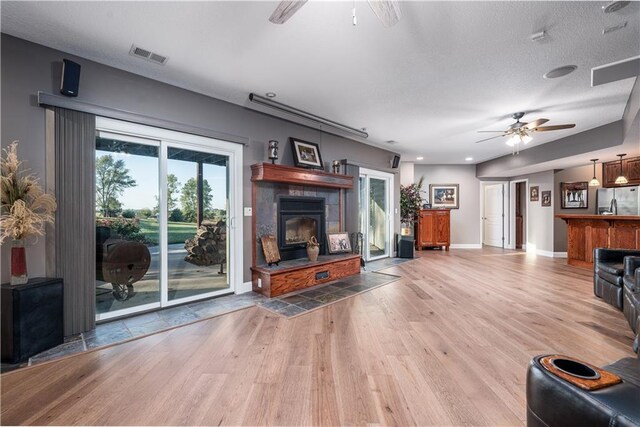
630	169
31	318
433	228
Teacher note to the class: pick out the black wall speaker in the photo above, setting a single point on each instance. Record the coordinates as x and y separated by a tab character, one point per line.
395	162
70	78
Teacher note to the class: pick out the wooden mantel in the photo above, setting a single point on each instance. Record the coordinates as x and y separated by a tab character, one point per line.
587	232
291	175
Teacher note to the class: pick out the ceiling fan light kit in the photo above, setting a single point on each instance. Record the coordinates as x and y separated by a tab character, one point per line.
520	132
594	181
387	11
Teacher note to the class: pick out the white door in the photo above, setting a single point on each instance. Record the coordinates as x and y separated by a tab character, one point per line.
376	199
492	218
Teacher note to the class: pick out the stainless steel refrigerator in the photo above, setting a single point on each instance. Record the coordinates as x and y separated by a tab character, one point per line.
618	201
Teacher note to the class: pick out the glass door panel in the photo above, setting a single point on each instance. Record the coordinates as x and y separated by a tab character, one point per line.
375	215
197	212
378	223
127	238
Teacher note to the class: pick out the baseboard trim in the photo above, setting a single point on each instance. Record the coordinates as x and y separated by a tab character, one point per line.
244	288
550	254
466	246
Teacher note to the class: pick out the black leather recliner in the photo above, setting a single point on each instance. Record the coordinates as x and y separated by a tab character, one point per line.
608	274
552	401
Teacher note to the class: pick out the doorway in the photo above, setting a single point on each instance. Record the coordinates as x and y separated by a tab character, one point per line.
166	218
376	200
520	212
493	215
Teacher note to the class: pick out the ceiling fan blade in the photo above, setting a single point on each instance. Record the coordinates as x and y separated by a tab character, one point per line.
493	137
536	123
387	11
285	10
556	127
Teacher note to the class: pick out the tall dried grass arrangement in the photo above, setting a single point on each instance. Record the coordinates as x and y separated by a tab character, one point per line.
25	208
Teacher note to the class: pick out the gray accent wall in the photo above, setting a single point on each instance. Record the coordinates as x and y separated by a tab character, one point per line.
465	222
28	68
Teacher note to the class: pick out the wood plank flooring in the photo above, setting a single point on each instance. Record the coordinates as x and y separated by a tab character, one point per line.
448	344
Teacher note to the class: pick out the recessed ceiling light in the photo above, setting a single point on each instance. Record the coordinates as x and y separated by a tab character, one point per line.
560	71
270	95
419	158
468	159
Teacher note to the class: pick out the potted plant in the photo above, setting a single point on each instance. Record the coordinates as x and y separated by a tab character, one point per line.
24	210
313	249
410	204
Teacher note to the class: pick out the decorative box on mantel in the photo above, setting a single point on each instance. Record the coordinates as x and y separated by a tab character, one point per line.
273	183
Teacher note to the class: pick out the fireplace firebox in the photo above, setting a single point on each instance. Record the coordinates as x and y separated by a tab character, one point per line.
300	218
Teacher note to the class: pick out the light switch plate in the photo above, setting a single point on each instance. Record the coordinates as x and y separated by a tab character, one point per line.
248	211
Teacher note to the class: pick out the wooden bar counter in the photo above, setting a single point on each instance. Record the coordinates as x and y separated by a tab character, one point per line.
587	232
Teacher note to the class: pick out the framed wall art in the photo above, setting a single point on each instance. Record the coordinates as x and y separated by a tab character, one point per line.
444	196
338	243
574	195
306	154
546	198
534	194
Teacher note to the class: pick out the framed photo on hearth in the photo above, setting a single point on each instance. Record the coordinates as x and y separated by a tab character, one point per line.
338	243
534	194
574	195
546	198
306	154
444	196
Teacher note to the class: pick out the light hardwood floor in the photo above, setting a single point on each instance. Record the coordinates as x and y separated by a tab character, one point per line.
448	344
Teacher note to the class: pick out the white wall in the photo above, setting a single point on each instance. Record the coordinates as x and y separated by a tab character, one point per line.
406	173
540	219
465	222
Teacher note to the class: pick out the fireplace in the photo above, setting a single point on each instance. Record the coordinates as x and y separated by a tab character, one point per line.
300	218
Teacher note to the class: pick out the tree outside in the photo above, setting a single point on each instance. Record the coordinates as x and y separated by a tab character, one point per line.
112	178
189	199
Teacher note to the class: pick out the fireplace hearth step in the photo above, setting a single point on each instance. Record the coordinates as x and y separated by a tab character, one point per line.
294	275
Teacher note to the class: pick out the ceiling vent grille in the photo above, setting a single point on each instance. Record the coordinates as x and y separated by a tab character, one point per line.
148	55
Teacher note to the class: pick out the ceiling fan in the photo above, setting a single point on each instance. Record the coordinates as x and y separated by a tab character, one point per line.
520	132
387	11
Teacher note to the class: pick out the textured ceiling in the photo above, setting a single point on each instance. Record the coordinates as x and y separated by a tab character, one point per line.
444	72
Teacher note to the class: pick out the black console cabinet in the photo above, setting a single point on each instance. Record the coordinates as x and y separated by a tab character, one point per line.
31	318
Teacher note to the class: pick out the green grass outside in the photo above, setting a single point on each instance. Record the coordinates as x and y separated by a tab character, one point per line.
178	231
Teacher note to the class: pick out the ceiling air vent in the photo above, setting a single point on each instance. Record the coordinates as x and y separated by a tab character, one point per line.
148	55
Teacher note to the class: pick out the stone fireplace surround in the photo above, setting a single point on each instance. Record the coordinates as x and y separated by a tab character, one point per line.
266	209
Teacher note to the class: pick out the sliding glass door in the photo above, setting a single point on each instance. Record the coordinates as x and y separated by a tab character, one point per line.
166	204
375	213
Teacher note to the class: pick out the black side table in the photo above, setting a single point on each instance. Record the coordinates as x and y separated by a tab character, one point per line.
31	318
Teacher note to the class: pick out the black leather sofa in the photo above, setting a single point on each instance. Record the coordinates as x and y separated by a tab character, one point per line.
553	401
608	274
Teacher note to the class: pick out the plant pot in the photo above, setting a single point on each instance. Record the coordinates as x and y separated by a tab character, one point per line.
18	263
312	253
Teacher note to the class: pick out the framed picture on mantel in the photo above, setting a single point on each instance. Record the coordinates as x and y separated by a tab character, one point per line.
306	154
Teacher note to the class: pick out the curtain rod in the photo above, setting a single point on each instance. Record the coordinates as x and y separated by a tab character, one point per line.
47	99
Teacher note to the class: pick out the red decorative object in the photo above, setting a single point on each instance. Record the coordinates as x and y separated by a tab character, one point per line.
18	263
